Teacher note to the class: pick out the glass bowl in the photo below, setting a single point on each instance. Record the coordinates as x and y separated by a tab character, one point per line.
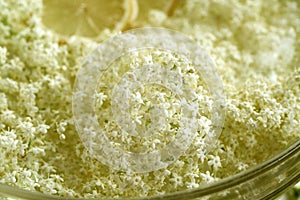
267	180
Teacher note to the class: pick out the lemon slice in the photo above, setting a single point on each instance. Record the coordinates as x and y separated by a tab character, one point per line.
166	6
87	17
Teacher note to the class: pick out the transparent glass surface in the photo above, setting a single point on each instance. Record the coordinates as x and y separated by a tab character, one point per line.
266	181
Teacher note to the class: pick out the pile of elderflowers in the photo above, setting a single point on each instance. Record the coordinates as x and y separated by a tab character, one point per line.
256	47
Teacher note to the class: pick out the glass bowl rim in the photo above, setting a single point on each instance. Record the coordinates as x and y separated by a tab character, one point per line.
201	191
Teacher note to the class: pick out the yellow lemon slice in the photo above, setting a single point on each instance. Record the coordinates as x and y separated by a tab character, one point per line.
87	17
166	6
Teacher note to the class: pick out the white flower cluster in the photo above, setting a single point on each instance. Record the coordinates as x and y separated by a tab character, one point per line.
255	45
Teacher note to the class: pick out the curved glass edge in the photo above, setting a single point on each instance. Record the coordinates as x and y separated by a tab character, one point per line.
267	180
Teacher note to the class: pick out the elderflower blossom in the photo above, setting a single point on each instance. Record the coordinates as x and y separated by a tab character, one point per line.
255	45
